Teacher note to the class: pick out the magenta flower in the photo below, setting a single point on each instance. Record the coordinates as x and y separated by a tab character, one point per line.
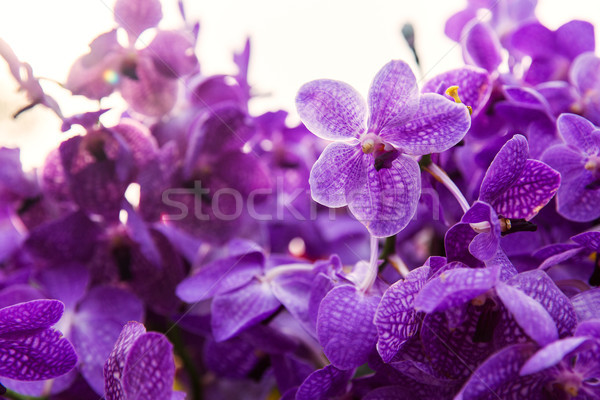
369	166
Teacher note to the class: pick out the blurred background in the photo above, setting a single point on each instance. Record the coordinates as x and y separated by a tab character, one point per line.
292	42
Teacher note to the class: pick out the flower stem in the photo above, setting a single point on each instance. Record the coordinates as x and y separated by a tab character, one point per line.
16	396
441	176
189	366
372	275
284	269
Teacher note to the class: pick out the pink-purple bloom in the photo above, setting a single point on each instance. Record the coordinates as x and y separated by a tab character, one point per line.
369	166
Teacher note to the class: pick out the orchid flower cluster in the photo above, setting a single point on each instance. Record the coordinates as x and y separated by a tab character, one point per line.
434	241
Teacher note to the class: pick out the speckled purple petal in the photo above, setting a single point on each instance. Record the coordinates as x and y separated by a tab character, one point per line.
452	351
435	263
137	15
139	140
474	86
149	368
324	383
539	286
115	364
345	322
235	311
437	125
551	355
339	167
587	304
31	315
331	109
499	370
322	284
173	53
152	94
393	96
575	37
456	243
395	318
481	46
501	262
505	170
454	288
579	132
590	240
41	354
531	316
530	193
71	238
386	200
220	276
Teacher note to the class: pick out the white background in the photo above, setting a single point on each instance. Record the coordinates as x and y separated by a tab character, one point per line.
292	42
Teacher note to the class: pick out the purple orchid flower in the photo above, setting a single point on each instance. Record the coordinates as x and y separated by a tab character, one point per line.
369	166
244	288
584	78
92	322
147	77
515	185
528	306
29	348
140	366
506	16
578	161
552	52
565	368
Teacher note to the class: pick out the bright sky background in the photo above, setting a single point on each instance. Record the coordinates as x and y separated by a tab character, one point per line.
292	42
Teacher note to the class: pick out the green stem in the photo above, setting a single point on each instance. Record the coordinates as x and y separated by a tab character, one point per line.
389	248
174	335
372	275
16	396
